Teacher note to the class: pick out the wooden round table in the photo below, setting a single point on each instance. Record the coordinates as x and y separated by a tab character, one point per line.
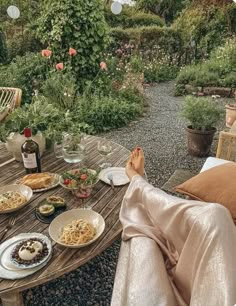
103	200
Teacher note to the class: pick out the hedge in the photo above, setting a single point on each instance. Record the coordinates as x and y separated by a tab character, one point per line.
146	38
132	18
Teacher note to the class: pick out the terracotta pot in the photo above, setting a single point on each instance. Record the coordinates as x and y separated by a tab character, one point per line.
230	114
199	142
15	140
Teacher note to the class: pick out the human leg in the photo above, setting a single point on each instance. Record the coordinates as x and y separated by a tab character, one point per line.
195	230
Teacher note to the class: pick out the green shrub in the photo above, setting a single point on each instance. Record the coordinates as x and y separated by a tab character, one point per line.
108	112
119	20
203	28
78	24
202	113
143	19
42	116
26	72
166	8
146	38
131	17
19	45
219	70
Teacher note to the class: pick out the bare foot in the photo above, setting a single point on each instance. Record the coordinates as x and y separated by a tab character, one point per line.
138	160
135	164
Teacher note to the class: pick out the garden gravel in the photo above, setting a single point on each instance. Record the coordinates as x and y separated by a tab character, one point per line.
161	134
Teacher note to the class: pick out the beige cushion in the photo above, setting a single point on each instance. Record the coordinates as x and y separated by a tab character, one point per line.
217	185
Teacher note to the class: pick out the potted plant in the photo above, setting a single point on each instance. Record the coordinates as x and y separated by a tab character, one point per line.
203	115
45	120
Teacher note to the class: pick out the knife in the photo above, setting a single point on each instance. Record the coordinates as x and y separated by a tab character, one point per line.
110	177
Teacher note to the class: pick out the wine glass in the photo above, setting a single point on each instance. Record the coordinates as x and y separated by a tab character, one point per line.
104	148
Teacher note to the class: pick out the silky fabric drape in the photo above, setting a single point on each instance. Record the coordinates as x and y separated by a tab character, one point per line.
174	251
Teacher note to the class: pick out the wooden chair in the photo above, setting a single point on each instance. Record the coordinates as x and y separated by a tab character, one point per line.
10	98
227	146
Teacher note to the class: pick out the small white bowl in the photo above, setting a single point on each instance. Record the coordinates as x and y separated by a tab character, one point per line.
57	225
25	190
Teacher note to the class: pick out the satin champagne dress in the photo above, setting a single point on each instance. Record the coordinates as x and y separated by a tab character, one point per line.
174	251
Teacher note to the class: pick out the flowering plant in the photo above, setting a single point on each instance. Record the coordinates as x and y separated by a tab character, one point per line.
60	87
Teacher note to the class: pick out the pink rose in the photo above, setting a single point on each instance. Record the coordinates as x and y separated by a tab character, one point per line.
46	53
72	52
103	66
59	66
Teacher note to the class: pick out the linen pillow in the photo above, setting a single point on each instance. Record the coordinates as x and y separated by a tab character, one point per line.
216	185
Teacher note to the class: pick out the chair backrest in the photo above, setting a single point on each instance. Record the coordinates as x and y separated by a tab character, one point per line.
227	146
10	98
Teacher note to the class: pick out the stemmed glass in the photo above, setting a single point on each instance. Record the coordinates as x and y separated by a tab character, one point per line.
104	148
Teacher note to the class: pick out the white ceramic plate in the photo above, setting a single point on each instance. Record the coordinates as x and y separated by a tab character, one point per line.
118	174
25	190
7	269
54	184
57	225
23	266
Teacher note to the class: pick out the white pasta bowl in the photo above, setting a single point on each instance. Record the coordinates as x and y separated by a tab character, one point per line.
57	225
24	190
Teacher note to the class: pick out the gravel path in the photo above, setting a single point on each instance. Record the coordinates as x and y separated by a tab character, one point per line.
161	133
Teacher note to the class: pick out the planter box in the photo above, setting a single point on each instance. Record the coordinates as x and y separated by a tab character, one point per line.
209	91
221	91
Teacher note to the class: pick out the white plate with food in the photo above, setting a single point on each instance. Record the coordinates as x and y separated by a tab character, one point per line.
39	182
31	252
73	179
77	228
14	197
8	270
117	174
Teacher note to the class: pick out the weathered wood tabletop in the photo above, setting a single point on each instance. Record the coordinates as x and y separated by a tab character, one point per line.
103	200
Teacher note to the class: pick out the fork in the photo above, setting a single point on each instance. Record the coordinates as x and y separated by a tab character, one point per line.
11	223
110	178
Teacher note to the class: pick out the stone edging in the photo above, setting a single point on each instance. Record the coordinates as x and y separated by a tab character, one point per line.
209	91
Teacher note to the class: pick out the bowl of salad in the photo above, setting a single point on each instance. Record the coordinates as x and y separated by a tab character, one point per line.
79	181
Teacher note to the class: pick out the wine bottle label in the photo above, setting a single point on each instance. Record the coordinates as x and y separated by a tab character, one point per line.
29	160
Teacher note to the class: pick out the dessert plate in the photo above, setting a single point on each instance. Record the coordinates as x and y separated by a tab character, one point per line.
118	175
8	270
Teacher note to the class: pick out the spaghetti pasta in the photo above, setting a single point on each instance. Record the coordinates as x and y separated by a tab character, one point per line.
11	199
78	232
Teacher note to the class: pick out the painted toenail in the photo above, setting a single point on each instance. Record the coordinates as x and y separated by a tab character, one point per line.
138	149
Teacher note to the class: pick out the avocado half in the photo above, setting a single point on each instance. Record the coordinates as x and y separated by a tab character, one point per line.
56	201
46	209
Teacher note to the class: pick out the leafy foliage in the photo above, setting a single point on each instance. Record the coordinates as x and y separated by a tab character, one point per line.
107	112
3	48
42	116
165	8
219	70
20	33
202	113
26	72
60	89
203	28
79	24
130	17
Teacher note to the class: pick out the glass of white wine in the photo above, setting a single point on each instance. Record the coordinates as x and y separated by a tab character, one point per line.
104	148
